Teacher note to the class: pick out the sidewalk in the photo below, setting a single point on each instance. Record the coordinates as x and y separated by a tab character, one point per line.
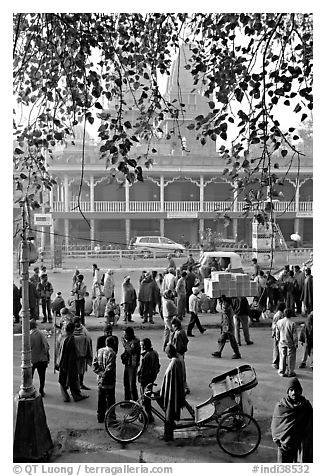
208	320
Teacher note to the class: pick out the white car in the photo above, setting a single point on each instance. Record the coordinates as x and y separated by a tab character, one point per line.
158	245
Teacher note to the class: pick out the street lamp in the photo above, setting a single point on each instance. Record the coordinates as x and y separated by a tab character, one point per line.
32	439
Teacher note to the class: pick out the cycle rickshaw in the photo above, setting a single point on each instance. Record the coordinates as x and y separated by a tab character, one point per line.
229	410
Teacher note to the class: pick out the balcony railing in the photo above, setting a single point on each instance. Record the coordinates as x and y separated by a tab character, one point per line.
174	206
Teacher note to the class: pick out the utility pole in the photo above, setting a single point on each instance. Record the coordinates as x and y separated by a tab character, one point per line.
32	439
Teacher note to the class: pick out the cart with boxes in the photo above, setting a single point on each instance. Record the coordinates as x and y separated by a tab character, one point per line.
230	285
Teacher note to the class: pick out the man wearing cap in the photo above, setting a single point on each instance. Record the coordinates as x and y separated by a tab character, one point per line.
193	309
292	426
45	290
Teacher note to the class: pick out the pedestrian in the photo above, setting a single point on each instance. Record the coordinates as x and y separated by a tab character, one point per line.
146	298
169	280
99	305
169	311
276	351
58	303
40	355
112	312
190	283
142	276
16	303
65	317
96	284
129	299
107	333
261	281
307	293
45	291
108	284
79	291
241	310
172	395
180	341
292	426
75	277
157	303
290	290
227	330
33	301
67	366
306	339
286	334
282	280
149	369
104	365
84	348
271	291
193	308
130	359
180	290
299	277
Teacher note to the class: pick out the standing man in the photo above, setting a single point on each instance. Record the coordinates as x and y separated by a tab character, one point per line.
193	308
241	310
300	279
67	366
169	311
146	298
35	280
104	366
180	341
79	292
227	330
102	339
172	395
307	294
180	290
96	284
45	290
171	262
84	349
169	280
40	355
130	359
149	368
292	426
286	334
128	299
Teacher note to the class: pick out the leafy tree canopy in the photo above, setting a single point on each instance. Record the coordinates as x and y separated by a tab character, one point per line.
68	68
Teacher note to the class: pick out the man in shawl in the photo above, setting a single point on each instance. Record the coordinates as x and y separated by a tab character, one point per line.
172	395
67	366
84	350
307	293
129	299
292	426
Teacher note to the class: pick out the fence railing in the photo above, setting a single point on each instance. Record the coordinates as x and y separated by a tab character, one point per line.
173	206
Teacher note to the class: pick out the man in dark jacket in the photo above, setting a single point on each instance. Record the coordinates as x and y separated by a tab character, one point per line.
292	426
190	283
241	318
146	298
227	330
307	293
102	339
39	354
149	368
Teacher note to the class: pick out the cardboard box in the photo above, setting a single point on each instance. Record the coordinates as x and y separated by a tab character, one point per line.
253	288
212	288
221	276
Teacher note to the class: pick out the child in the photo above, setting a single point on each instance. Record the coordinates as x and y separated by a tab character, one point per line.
286	334
58	303
306	338
112	312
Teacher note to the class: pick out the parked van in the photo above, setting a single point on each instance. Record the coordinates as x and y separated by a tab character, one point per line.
221	261
160	245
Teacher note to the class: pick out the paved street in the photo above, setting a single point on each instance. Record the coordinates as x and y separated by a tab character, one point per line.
76	427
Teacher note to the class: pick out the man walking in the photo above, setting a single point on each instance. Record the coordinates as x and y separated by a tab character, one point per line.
180	290
227	330
241	318
193	309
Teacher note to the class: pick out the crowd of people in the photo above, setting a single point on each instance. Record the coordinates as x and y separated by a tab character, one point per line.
168	296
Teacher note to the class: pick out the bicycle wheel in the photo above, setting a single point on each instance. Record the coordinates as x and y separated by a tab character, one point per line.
125	421
238	434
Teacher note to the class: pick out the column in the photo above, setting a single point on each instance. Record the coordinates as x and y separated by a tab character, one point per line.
52	243
201	194
201	229
297	196
91	192
127	185
66	194
43	229
92	232
162	226
235	229
127	231
235	198
66	233
162	194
